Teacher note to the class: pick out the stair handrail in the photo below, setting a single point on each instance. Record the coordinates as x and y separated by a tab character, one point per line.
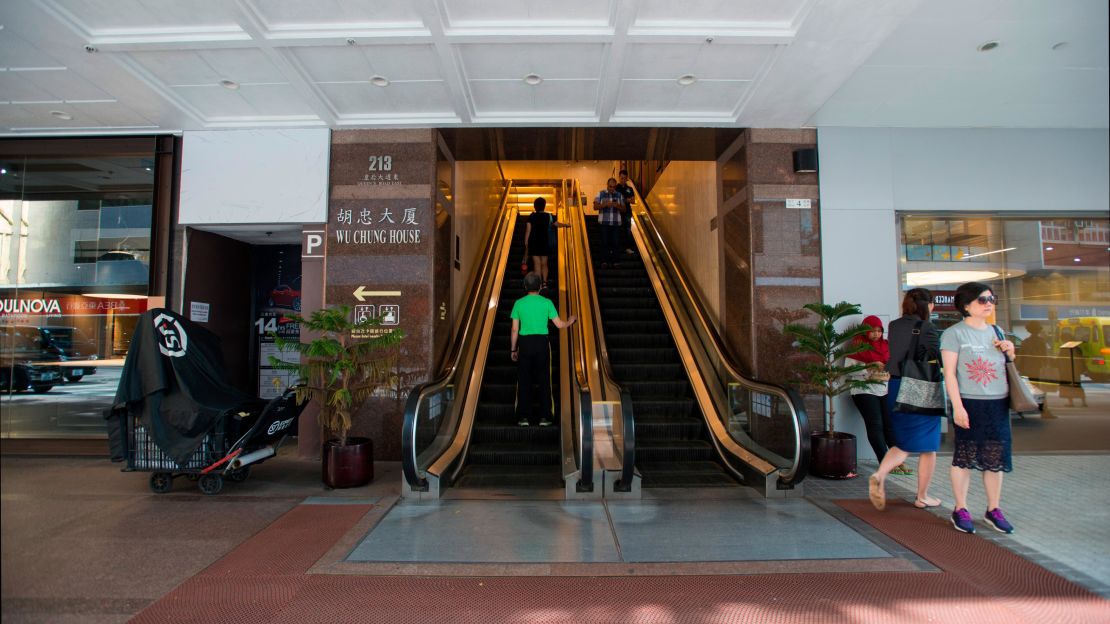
577	399
475	308
787	477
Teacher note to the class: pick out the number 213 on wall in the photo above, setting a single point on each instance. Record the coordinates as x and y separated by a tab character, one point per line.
381	163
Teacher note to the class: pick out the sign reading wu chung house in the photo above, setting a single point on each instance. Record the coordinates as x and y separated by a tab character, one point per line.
70	305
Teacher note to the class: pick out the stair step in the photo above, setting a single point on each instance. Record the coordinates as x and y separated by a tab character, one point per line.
504	476
513	434
511	454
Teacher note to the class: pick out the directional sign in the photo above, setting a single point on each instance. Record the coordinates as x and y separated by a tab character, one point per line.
361	293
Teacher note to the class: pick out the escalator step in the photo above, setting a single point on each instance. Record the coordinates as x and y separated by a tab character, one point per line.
647	390
670	429
501	476
700	480
631	356
493	434
648	372
648	408
648	451
615	338
512	454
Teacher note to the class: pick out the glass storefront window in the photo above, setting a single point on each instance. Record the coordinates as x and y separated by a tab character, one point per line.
75	273
1052	277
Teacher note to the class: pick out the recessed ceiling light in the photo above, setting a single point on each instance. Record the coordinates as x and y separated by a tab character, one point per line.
533	79
1049	248
379	81
229	84
987	46
1077	259
687	80
1060	45
62	115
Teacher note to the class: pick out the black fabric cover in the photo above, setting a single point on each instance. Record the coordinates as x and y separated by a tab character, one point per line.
174	379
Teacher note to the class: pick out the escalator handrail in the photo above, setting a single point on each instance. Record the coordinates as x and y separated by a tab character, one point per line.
628	429
570	261
800	421
473	309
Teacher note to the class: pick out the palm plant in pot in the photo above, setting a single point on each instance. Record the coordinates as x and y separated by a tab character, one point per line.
834	453
339	369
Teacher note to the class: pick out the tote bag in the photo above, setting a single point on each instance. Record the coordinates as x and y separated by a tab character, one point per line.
922	388
1021	398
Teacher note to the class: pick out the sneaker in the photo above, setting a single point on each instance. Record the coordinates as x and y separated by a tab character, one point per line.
523	422
961	519
998	522
545	422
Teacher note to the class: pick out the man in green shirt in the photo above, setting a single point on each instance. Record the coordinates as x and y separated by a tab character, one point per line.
531	350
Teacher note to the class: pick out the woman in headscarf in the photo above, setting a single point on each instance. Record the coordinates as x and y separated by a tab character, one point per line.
871	400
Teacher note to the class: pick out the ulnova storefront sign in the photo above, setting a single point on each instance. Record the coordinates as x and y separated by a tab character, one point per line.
72	305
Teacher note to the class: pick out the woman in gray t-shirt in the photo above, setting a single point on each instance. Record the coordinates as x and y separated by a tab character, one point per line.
975	379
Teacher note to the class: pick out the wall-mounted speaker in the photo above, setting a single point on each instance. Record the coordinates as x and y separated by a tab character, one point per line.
805	160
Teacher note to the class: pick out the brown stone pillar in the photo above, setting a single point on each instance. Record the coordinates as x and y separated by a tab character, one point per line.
771	248
381	257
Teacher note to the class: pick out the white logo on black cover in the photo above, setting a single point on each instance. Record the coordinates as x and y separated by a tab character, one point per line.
172	340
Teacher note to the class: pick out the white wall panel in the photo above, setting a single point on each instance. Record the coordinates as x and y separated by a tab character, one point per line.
254	176
869	174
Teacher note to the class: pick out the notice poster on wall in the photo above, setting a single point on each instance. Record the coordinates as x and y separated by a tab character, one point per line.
277	296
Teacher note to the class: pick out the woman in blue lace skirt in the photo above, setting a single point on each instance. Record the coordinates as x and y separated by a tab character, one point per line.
975	379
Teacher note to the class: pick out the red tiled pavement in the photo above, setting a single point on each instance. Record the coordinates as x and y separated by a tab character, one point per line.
264	580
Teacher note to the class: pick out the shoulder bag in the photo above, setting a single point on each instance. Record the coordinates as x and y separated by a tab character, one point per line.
922	388
1021	398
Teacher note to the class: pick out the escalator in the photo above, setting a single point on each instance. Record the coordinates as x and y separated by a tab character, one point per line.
674	448
503	454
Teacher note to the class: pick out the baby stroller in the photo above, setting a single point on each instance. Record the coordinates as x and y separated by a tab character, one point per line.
174	415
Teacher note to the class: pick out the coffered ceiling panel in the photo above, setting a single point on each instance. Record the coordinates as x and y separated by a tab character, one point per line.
209	67
400	99
297	14
668	98
550	98
536	14
514	61
718	14
705	60
158	65
360	63
117	17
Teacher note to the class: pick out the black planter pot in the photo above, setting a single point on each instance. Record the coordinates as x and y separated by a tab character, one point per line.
348	466
833	455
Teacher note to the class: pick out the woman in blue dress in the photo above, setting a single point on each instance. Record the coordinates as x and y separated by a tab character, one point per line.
913	433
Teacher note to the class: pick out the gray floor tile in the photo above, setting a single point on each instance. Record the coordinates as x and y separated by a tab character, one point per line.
733	530
460	531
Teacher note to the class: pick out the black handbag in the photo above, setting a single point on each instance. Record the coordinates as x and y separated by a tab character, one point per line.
922	386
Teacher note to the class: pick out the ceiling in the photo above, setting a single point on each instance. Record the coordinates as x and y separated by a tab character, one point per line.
150	66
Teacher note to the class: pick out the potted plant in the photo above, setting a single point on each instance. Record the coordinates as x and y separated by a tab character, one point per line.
339	369
833	452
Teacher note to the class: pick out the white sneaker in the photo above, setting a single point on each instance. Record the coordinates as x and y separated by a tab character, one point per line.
545	422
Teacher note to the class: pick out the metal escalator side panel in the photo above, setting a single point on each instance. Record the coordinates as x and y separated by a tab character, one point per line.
450	440
720	437
679	321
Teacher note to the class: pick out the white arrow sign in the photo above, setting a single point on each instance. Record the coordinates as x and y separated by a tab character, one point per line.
361	293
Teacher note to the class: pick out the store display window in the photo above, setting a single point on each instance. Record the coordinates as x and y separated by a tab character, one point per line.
76	223
1051	274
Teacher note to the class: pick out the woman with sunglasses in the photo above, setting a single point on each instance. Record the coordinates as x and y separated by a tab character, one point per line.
975	379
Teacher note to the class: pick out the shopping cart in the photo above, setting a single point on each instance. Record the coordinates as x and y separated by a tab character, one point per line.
221	454
175	414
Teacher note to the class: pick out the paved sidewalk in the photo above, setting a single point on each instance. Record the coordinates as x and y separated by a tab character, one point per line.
1057	504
